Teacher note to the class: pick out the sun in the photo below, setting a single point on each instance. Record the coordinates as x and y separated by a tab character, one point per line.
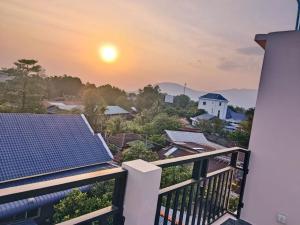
108	53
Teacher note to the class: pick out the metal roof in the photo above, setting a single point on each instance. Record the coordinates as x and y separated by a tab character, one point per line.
115	110
230	114
184	136
205	116
34	144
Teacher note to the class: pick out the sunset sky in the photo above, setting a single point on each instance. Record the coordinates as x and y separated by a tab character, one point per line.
206	43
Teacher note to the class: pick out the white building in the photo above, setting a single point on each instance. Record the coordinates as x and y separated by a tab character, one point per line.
169	99
214	104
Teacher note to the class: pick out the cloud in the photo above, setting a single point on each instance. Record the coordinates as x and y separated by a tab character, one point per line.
250	51
228	65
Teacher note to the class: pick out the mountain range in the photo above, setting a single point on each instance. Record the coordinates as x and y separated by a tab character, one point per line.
245	98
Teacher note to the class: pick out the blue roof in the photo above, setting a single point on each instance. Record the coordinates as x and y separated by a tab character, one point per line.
33	144
25	222
230	114
214	96
46	147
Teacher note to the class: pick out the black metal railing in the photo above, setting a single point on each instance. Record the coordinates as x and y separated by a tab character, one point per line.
205	197
113	213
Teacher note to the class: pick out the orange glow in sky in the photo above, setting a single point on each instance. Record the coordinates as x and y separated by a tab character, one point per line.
149	41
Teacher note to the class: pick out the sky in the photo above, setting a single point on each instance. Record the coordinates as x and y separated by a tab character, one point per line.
208	44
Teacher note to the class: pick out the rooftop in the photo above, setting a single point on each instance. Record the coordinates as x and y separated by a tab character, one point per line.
214	96
35	144
115	110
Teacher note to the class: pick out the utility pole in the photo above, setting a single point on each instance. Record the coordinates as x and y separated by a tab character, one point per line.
185	85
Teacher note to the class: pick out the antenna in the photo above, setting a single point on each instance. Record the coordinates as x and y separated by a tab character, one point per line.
298	17
185	85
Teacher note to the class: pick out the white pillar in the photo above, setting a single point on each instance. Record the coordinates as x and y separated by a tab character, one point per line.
273	183
141	194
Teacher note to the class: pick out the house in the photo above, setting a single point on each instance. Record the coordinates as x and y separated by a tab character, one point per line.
188	143
214	104
169	99
41	147
56	106
183	137
121	140
114	110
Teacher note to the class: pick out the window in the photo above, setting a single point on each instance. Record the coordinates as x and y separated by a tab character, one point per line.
220	103
204	103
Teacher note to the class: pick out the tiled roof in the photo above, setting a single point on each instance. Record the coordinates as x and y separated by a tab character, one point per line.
214	96
115	110
34	144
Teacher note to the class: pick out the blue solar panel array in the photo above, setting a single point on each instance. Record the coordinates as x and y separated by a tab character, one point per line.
32	144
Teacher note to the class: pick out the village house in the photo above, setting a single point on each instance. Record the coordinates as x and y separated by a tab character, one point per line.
115	110
214	104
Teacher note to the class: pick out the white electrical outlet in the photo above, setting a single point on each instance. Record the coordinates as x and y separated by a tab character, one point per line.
281	218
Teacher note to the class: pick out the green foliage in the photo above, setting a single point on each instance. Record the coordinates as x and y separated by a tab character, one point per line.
59	86
113	95
78	203
233	203
25	92
158	139
94	109
138	150
115	125
242	135
215	126
148	96
160	123
182	101
176	174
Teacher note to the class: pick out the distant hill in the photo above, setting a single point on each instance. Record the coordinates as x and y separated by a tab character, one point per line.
239	97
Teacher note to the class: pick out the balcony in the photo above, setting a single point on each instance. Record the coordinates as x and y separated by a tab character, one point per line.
202	199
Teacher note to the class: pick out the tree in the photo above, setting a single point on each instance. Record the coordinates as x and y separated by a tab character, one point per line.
148	96
182	101
94	109
242	135
78	203
138	150
27	89
113	95
174	175
215	126
160	123
115	125
59	86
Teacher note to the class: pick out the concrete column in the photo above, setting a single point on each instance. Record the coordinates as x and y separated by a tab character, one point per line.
272	190
141	192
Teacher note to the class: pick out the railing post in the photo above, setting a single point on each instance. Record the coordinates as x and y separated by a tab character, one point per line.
118	199
142	192
243	183
234	158
200	169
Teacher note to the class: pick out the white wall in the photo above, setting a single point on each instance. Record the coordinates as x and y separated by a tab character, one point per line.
273	184
213	106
